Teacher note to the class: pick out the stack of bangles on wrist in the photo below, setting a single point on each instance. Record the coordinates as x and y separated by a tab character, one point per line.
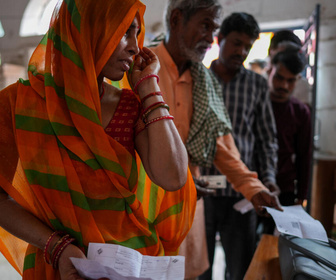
151	108
56	251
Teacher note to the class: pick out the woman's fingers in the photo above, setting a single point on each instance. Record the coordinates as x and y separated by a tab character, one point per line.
65	266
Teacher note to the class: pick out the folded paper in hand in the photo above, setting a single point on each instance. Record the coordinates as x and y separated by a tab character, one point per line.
294	220
215	181
243	206
117	262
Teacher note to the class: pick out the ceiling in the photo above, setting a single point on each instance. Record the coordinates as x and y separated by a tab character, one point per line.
13	47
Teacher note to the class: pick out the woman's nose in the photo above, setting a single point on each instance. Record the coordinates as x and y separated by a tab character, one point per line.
133	46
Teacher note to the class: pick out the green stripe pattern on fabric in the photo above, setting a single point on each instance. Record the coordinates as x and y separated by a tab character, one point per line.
174	210
49	81
58	226
48	181
141	183
33	124
90	162
81	109
29	261
65	49
153	201
24	82
44	39
75	16
133	179
86	203
111	165
153	193
33	70
43	126
139	242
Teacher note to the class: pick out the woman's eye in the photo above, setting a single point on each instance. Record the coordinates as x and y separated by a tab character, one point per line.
127	33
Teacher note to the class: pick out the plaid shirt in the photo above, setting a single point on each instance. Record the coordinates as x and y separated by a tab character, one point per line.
209	120
246	98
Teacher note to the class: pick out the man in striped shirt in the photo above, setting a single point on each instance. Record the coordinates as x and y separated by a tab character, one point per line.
247	101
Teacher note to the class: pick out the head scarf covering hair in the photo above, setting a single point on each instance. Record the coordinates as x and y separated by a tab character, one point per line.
71	175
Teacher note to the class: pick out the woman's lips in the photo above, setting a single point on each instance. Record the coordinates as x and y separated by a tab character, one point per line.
125	65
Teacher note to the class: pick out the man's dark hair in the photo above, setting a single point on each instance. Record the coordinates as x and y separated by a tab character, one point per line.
242	23
282	36
293	60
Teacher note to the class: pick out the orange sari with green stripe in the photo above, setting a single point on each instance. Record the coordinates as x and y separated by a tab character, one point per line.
70	173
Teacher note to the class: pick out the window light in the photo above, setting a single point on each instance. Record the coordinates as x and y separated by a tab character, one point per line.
2	31
36	17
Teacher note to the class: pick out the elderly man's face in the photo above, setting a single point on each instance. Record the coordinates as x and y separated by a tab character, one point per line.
196	35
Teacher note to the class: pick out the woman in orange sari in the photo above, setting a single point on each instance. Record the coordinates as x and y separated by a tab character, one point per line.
81	159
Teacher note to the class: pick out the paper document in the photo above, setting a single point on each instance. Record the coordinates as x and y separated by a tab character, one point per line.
117	262
215	181
294	220
243	206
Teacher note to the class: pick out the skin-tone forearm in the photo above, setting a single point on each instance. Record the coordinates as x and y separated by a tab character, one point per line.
22	224
163	154
160	147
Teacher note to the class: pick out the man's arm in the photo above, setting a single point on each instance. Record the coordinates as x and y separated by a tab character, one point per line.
228	162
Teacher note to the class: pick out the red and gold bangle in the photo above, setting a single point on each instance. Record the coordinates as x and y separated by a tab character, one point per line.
152	105
66	241
168	117
152	109
150	95
45	250
58	243
135	89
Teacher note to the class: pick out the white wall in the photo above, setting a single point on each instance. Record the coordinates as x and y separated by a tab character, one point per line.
326	89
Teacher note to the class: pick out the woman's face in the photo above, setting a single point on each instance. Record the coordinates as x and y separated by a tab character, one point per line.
122	57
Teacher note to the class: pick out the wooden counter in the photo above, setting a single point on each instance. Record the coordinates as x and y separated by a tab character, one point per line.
265	263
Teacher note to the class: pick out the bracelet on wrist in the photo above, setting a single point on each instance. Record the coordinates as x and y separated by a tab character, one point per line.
66	241
150	95
152	105
135	89
47	245
152	109
167	117
53	257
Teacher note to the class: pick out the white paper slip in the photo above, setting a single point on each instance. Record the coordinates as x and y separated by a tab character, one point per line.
93	270
243	206
111	261
215	181
296	221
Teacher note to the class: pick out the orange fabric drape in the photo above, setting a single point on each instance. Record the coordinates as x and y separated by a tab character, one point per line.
70	174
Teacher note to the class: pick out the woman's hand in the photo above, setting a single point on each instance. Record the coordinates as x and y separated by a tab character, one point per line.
65	266
146	63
